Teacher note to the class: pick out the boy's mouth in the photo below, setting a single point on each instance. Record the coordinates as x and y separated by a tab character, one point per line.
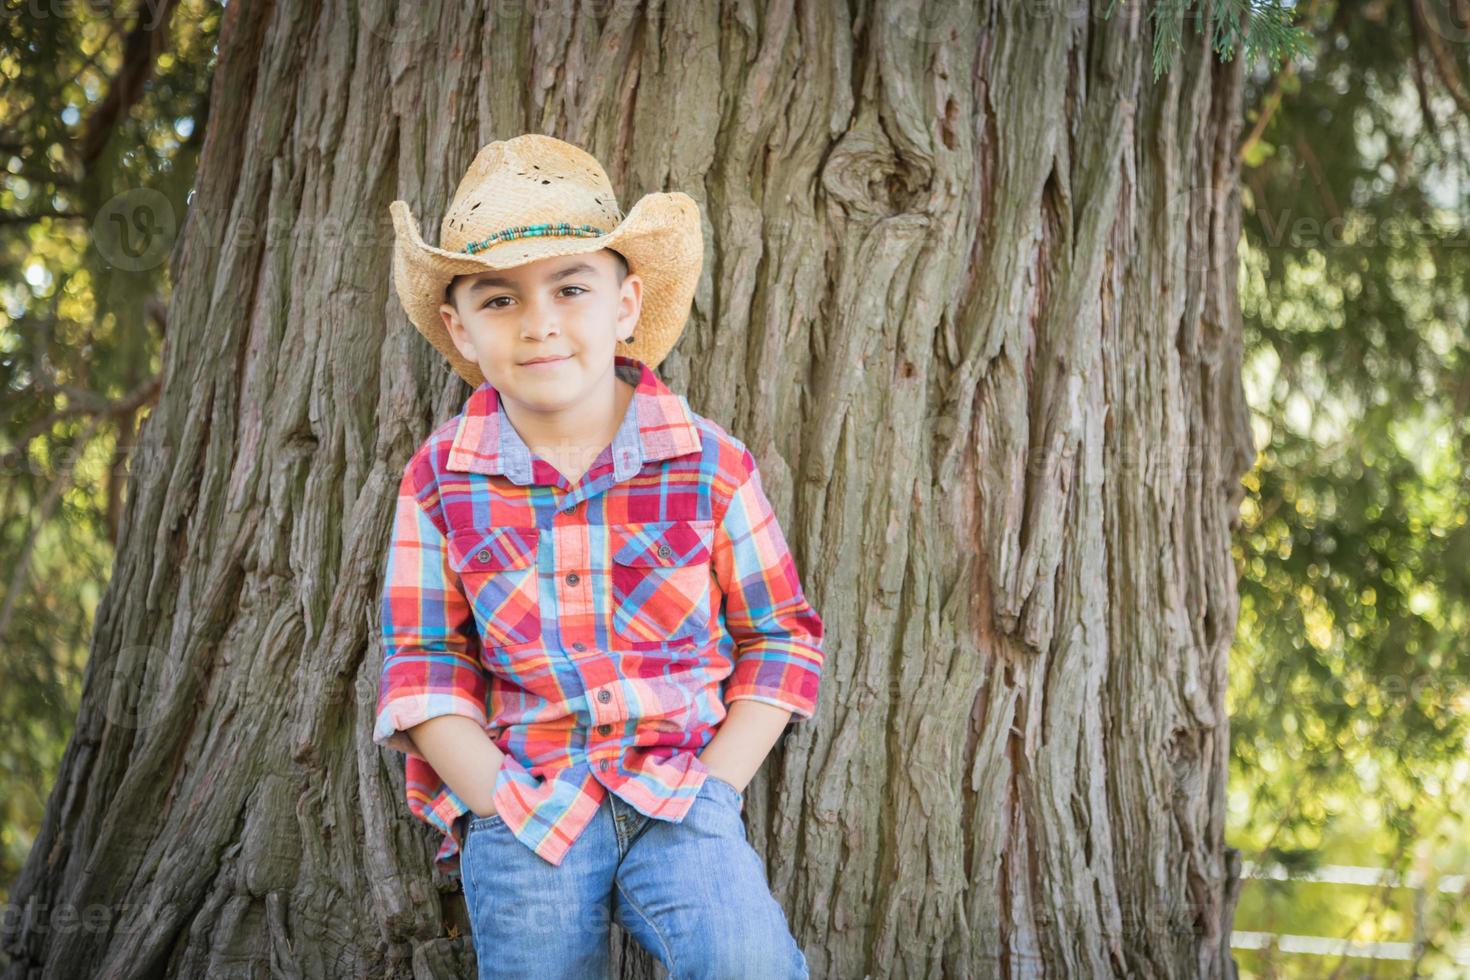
545	361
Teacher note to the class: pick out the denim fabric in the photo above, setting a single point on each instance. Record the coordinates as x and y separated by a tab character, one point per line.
693	893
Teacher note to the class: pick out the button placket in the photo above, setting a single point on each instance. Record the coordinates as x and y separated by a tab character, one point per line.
604	712
601	712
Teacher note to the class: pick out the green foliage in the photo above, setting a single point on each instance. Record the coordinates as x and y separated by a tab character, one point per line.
1263	29
80	334
1350	677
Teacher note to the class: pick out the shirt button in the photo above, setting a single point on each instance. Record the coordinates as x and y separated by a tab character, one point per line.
579	646
604	729
573	579
604	695
602	765
483	556
664	551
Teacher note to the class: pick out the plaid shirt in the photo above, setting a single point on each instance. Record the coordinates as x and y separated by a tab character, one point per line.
595	630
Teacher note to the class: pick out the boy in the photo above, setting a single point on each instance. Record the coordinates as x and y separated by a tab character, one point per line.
593	628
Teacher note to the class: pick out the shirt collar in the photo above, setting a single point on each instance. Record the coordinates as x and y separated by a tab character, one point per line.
657	425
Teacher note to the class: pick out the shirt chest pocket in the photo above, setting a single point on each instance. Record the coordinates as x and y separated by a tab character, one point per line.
661	580
497	567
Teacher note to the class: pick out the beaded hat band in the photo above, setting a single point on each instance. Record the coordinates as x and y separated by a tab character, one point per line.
534	197
535	231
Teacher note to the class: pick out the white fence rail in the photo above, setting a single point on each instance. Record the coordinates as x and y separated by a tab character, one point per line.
1342	874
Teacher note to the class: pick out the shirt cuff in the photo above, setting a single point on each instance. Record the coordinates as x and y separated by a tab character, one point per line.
784	674
401	714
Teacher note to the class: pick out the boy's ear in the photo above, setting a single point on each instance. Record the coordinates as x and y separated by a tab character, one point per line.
456	330
630	305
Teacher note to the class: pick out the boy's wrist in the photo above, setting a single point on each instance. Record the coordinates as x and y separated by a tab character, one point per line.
730	778
743	740
482	801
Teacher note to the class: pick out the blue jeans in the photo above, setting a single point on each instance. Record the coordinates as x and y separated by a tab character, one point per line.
694	894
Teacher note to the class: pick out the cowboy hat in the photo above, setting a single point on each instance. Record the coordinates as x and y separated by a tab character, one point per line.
532	197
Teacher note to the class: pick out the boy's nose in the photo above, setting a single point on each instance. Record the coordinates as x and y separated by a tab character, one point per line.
540	328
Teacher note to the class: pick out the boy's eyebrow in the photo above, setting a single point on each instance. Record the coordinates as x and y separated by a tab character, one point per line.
489	281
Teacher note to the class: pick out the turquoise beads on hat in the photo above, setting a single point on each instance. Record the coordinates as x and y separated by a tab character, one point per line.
550	229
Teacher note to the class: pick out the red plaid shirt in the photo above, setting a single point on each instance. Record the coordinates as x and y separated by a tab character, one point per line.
596	630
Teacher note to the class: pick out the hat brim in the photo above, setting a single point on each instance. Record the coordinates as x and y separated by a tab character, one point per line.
660	236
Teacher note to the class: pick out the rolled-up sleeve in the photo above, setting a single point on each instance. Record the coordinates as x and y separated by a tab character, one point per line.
431	663
778	635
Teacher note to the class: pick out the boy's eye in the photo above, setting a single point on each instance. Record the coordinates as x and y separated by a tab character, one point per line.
489	303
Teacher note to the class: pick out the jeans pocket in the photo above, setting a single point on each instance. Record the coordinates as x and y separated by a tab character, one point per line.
485	823
729	789
472	867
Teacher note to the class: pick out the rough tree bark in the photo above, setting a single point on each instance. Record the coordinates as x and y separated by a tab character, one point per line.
969	296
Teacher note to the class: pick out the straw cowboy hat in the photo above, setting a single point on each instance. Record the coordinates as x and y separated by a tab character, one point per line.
535	196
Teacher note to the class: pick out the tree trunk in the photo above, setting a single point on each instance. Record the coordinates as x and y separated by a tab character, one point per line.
970	297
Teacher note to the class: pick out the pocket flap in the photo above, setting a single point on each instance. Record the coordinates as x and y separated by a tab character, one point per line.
662	544
492	549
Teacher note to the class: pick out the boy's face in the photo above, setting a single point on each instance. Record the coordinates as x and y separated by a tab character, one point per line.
569	307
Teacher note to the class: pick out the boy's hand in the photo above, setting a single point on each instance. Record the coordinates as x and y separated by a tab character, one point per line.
464	756
743	740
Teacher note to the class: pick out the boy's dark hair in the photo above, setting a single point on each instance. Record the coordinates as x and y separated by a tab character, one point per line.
620	263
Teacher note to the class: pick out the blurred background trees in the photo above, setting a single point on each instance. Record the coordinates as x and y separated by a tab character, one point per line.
102	106
1350	676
